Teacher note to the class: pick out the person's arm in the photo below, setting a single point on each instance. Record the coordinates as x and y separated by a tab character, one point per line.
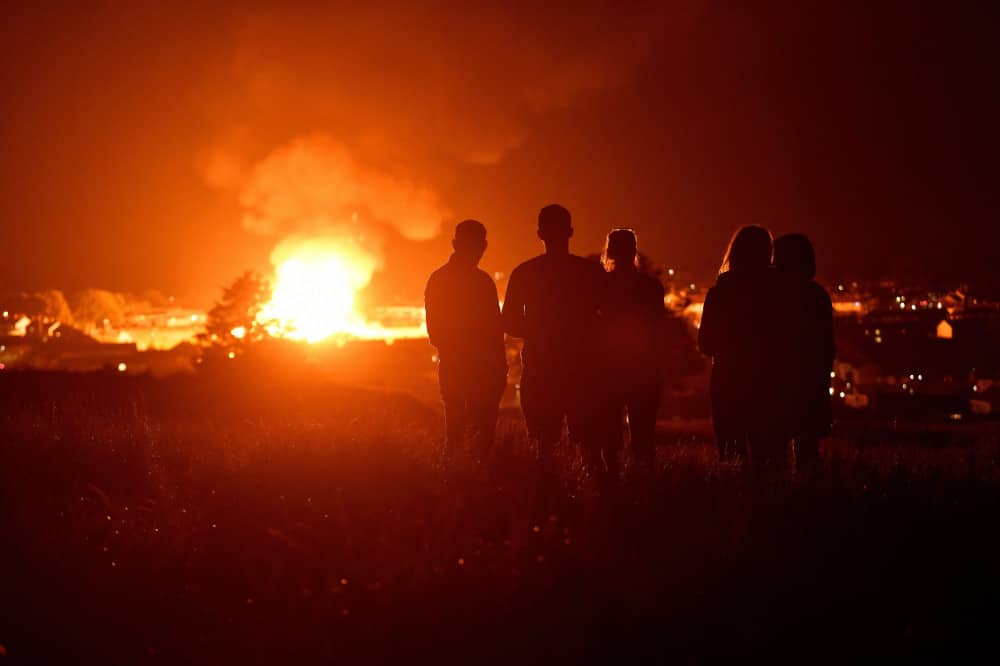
496	327
513	306
658	310
658	325
433	314
710	329
825	319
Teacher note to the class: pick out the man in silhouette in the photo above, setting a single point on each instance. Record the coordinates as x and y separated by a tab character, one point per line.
463	322
552	303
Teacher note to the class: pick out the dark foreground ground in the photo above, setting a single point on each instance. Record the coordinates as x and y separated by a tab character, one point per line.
241	519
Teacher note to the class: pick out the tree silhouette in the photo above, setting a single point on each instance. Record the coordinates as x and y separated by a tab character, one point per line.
233	320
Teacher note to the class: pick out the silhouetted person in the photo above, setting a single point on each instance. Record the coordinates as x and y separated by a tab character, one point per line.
811	349
741	329
463	322
632	326
552	302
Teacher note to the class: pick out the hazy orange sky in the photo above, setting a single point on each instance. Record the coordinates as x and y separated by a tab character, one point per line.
172	146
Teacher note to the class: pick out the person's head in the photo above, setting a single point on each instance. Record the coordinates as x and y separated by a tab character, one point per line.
749	250
621	250
555	228
794	255
470	240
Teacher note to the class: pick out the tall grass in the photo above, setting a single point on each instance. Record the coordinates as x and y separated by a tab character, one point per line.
242	519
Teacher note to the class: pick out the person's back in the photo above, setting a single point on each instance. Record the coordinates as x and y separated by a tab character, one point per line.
740	329
463	322
552	303
633	314
463	319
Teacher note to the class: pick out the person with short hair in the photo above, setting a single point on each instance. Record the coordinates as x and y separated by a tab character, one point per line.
463	322
553	303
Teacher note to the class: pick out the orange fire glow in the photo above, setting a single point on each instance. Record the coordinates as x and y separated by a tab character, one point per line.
314	290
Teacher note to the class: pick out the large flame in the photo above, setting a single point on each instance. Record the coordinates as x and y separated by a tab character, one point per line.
314	290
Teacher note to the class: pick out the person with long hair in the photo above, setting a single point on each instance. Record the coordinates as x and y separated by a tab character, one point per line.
810	349
633	314
741	329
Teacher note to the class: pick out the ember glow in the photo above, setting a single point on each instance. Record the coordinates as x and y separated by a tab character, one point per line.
313	298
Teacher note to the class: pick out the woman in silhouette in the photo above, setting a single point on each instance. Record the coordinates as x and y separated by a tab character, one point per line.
741	329
810	335
632	321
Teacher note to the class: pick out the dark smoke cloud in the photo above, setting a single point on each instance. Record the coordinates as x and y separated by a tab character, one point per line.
382	98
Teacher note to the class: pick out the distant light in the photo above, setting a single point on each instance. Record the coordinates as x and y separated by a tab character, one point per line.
833	374
5	314
912	376
939	305
122	367
913	307
904	386
194	317
878	331
975	388
831	390
848	384
840	287
955	416
238	332
878	341
670	272
920	378
2	366
692	286
231	354
843	395
902	306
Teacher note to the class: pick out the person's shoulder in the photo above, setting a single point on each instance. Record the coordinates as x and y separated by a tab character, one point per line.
585	265
484	277
437	275
723	284
651	283
724	280
819	294
527	266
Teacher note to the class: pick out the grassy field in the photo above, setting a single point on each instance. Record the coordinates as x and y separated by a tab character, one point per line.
240	518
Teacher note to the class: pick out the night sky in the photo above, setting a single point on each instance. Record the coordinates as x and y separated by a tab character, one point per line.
172	147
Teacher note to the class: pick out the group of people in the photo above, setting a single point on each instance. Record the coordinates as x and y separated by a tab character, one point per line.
593	346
